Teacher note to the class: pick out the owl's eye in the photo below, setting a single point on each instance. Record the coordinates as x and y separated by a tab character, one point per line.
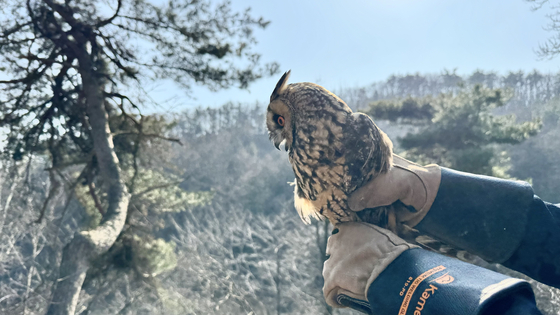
280	120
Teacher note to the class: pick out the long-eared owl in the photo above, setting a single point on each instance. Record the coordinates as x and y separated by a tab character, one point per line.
332	150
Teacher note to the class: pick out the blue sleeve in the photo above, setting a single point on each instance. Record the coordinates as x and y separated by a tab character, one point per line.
484	215
501	221
515	304
537	255
422	282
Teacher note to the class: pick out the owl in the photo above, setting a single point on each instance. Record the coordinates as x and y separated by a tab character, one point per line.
332	151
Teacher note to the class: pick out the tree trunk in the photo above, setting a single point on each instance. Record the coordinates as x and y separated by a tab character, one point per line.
86	245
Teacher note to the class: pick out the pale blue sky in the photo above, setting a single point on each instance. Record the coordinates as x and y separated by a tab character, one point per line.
342	44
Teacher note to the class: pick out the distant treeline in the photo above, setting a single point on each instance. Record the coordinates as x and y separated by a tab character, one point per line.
529	89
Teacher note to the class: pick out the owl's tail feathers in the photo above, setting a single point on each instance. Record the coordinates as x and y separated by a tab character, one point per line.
306	210
305	207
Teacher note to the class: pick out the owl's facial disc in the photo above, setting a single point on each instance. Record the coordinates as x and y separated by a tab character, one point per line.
279	124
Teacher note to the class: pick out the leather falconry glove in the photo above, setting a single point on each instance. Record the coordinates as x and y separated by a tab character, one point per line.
414	185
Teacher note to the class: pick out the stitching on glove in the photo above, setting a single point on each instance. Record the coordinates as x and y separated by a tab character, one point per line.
423	185
377	229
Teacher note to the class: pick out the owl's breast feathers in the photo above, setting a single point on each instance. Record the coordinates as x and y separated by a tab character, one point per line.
333	155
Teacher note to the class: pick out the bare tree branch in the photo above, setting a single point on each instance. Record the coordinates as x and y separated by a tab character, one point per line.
153	188
54	188
148	135
110	20
93	195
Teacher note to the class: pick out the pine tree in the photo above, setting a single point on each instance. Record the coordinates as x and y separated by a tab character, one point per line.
67	70
457	130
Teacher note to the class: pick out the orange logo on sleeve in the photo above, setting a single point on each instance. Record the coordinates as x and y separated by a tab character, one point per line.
414	285
428	292
446	278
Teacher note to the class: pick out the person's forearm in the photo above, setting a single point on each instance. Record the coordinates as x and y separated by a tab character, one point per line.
517	304
499	220
484	215
538	255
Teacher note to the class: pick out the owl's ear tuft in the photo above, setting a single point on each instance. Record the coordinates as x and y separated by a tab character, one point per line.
280	86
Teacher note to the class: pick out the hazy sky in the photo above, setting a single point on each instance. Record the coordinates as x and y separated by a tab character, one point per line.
354	43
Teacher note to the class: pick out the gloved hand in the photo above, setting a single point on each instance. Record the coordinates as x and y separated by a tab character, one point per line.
414	185
372	270
359	252
483	215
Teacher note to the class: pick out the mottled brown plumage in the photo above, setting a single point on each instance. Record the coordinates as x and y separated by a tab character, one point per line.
332	150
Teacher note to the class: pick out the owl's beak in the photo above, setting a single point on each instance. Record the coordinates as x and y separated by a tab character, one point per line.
281	143
278	140
286	145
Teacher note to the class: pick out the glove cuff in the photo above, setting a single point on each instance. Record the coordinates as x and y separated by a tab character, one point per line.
422	282
422	191
484	215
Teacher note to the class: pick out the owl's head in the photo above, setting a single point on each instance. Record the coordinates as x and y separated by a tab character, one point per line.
279	115
300	107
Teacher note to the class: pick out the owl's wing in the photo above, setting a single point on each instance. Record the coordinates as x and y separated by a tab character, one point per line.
368	151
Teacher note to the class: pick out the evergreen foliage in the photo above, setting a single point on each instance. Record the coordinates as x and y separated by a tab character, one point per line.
458	130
